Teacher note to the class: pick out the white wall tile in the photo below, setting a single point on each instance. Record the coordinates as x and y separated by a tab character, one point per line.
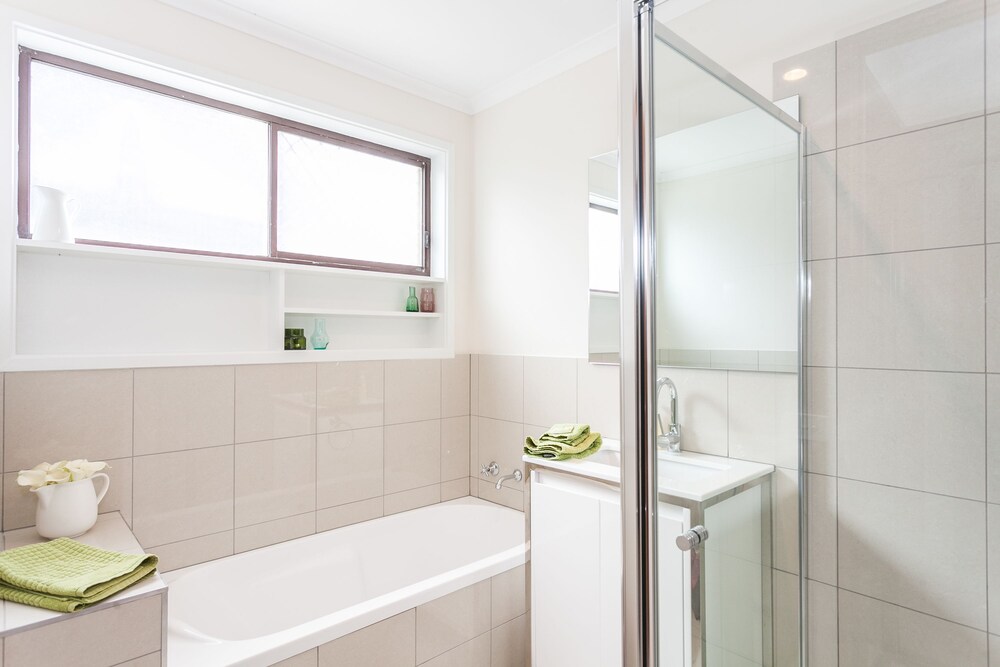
550	387
817	93
873	632
821	314
501	387
412	455
389	643
920	70
412	390
893	194
452	619
914	310
598	397
349	466
891	548
349	395
275	401
763	417
275	479
183	408
913	429
821	207
702	408
821	420
455	385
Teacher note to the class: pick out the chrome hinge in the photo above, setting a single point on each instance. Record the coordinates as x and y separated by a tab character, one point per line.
427	239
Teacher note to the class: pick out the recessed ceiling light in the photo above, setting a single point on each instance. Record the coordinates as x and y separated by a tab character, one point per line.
794	74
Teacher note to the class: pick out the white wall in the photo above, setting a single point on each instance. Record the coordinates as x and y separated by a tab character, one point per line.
531	198
165	35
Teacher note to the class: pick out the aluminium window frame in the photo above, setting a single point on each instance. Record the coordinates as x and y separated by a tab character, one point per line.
275	124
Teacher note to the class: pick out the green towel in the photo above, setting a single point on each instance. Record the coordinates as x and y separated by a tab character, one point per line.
564	441
566	432
65	575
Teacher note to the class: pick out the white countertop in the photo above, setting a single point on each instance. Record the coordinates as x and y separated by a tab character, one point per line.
110	532
687	475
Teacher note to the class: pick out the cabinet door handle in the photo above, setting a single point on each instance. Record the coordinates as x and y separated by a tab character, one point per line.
692	538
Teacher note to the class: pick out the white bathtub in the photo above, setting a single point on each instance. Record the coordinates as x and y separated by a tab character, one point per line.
262	606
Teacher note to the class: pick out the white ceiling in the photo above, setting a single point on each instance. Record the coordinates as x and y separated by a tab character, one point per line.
471	54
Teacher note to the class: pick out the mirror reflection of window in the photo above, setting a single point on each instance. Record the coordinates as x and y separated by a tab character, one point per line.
605	259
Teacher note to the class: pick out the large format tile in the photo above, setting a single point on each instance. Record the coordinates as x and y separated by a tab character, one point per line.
702	408
501	387
785	520
412	455
509	596
817	92
389	643
453	619
272	532
993	308
549	390
992	71
821	519
180	495
764	417
183	408
785	616
889	436
893	194
473	653
993	169
454	448
821	627
52	416
275	401
923	69
275	479
821	208
913	311
455	384
873	632
502	442
344	515
176	555
820	420
511	644
308	658
598	397
348	466
404	501
894	546
349	395
993	438
821	313
993	566
412	390
994	651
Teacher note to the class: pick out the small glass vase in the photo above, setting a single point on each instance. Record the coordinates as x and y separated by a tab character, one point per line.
412	305
320	339
295	339
427	300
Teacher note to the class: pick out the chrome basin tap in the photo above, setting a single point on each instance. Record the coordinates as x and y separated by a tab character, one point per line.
669	438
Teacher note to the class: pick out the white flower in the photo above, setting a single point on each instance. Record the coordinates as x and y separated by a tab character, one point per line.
33	478
59	472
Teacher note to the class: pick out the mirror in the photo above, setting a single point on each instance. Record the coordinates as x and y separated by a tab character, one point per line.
727	248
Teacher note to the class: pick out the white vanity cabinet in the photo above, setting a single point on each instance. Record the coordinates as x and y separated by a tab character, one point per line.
576	575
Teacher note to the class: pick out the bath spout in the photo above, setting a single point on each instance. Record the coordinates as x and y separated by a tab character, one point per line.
516	476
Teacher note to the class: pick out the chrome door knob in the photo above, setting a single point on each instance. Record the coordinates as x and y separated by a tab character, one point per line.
692	538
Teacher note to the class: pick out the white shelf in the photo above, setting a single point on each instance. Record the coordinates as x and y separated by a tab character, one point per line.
347	312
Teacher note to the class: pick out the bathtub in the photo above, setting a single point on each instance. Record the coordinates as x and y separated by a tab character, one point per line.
262	606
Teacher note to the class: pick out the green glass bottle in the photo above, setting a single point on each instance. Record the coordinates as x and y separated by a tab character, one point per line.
412	305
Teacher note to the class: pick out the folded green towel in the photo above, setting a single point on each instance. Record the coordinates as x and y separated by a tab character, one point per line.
65	575
555	444
566	432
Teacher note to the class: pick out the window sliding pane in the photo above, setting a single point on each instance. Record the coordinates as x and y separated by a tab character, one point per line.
348	204
148	169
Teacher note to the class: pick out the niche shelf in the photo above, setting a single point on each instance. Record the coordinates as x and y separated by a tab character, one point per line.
344	312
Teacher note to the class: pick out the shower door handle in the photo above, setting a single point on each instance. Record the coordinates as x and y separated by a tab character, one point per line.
692	538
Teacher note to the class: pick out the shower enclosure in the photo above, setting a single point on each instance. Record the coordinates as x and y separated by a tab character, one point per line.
711	298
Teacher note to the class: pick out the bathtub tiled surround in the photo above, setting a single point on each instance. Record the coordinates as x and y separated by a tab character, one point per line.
208	461
903	341
482	625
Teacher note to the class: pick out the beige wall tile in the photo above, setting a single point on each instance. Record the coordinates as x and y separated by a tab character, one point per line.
598	397
349	395
456	488
908	563
454	448
785	601
389	643
993	565
821	184
181	495
702	408
511	644
550	387
275	479
51	416
875	633
888	435
510	495
993	162
821	520
920	70
501	387
502	442
412	390
821	602
412	499
106	637
992	56
821	314
197	550
412	455
148	660
992	438
452	619
474	653
344	515
308	658
893	194
821	420
994	651
183	408
455	386
275	401
763	417
785	518
474	384
912	311
348	466
508	595
271	532
817	93
992	308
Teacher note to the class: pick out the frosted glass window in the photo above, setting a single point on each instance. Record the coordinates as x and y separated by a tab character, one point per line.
148	169
605	241
338	202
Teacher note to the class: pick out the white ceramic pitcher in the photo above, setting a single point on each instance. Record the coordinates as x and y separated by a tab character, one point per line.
52	213
69	509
